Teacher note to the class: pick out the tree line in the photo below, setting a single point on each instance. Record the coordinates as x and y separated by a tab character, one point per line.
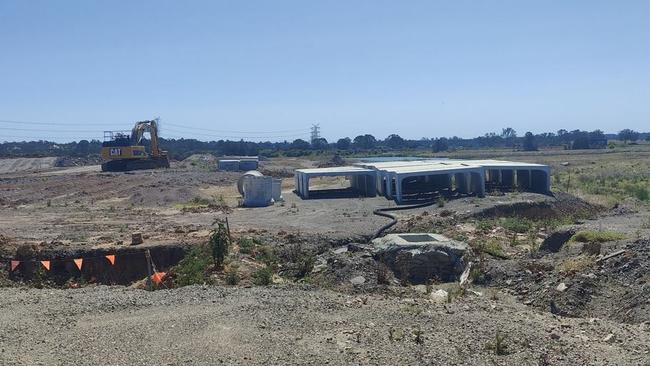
181	148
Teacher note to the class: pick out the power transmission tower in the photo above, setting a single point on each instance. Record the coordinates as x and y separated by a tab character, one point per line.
315	132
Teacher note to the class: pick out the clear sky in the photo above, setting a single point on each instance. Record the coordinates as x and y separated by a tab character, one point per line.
272	68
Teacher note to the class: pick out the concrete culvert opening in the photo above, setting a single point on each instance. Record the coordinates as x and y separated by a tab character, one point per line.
418	238
421	257
335	182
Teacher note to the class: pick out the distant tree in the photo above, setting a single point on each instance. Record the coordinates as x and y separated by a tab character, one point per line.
300	144
441	144
529	142
628	135
320	144
509	134
344	143
82	148
395	141
580	140
597	139
365	141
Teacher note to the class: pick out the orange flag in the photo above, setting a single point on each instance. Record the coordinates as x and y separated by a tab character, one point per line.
46	264
79	262
157	277
14	264
111	258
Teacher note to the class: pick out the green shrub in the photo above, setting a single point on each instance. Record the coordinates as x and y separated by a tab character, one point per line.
596	236
192	269
263	276
485	225
232	275
219	244
247	245
441	202
305	265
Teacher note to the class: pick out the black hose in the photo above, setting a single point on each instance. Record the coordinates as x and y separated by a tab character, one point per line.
383	212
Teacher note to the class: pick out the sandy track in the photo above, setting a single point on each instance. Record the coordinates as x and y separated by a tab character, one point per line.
27	164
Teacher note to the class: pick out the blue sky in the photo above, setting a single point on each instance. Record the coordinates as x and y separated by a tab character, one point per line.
216	69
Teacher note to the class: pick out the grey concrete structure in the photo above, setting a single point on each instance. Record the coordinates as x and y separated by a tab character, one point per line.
228	165
239	163
361	180
405	181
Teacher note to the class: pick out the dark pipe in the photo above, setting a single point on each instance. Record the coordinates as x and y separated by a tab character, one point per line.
383	212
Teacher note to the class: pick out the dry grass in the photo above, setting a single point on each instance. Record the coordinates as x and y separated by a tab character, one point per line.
596	236
576	265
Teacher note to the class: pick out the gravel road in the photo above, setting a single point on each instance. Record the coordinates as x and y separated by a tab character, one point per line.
296	325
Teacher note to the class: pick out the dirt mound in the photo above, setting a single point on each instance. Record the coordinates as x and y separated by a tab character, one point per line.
336	160
576	285
561	205
69	161
27	164
199	161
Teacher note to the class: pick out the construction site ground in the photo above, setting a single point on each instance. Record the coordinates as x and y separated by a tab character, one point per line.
527	307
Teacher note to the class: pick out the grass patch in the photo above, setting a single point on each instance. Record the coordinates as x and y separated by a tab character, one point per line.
248	245
201	203
575	265
494	249
516	224
617	184
596	236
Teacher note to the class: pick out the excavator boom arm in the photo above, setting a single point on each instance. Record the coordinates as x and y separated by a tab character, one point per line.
152	128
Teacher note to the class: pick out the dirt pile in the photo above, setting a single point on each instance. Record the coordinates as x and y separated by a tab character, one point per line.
571	284
561	205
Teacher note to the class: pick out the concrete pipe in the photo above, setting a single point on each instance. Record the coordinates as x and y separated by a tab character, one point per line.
240	182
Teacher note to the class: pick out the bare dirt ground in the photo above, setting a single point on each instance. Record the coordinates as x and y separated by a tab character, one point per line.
552	308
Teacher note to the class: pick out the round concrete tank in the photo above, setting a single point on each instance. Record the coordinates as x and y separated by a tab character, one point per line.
240	182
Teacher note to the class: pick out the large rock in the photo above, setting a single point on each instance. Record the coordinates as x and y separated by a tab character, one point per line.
421	257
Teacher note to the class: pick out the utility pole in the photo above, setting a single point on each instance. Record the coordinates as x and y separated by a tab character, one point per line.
315	132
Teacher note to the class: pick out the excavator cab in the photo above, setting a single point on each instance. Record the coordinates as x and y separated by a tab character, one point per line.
122	151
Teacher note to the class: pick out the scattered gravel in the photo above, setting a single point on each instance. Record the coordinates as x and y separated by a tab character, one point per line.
296	325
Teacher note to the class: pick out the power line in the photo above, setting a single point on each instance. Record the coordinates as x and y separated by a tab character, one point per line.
236	137
164	123
45	130
226	131
176	133
51	123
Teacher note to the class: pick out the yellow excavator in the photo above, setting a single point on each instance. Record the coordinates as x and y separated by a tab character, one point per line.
122	151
